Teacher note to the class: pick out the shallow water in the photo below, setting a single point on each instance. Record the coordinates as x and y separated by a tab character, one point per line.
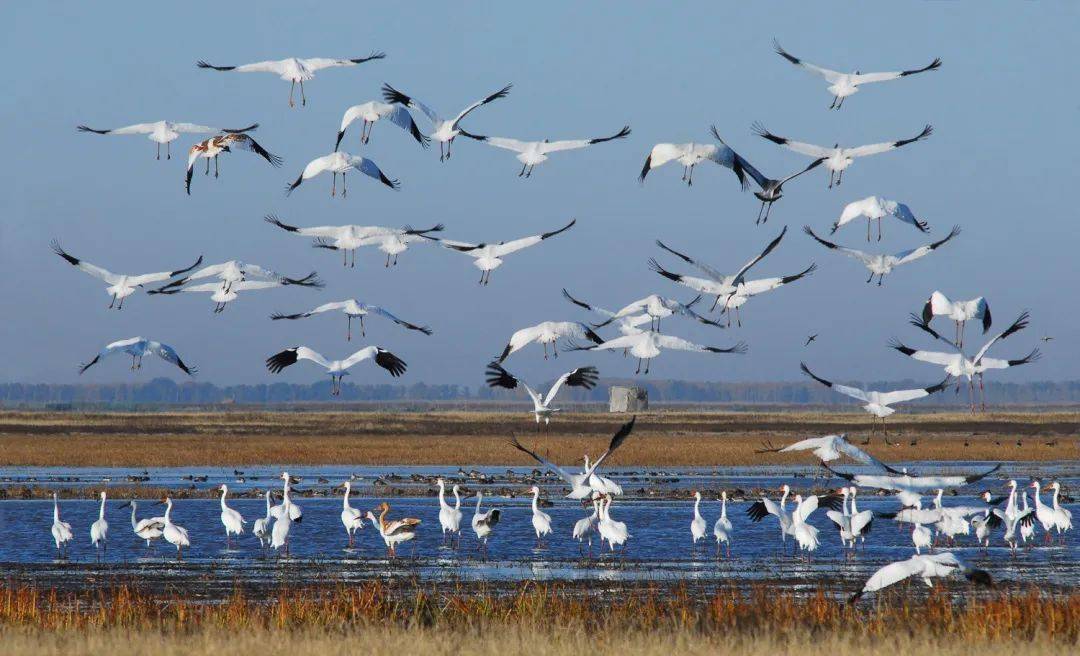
660	548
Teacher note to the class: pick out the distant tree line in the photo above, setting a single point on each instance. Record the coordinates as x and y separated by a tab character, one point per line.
166	391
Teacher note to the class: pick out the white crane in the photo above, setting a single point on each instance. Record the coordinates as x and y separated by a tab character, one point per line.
231	519
541	521
61	530
585	527
279	533
483	522
261	527
137	348
734	296
861	521
294	69
1014	517
805	534
692	154
909	489
371	113
165	132
547	332
697	524
722	529
121	285
587	484
655	307
222	293
827	449
442	130
877	403
287	506
959	364
584	377
1044	513
759	510
842	85
960	312
147	528
925	567
876	207
613	531
449	516
630	324
720	284
837	158
229	272
489	256
880	264
354	309
348	238
211	148
1062	516
351	518
341	163
647	345
174	534
337	369
531	153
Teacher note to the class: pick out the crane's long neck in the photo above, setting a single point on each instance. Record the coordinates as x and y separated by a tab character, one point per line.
442	494
268	503
783	500
536	499
1056	505
134	522
723	507
1038	499
168	511
1010	507
854	510
457	499
101	511
479	498
382	518
345	499
697	502
56	509
224	491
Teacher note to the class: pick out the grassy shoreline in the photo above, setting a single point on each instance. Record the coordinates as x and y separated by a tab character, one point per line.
537	618
442	438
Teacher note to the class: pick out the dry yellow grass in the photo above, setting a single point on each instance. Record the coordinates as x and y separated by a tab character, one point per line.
396	642
550	619
464	438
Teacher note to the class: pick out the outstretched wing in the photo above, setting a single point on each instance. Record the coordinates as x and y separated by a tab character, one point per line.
163	275
574	144
853	392
874	149
800	147
914	254
831	76
370	169
506	248
865	258
571	479
169	354
704	268
86	267
741	273
866	78
616	441
319	63
1018	325
138	128
899	396
245	142
277	362
501	93
580	377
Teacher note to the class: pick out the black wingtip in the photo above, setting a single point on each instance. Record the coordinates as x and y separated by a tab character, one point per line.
393	96
250	128
340	136
56	248
277	362
645	169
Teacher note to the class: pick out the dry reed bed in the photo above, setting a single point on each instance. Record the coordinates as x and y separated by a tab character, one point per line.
439	438
554	608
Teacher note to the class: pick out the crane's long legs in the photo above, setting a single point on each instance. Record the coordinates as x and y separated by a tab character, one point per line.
159	151
690	180
207	166
840	177
344	191
348	332
121	306
333	185
982	393
168	150
833	104
871	277
838	106
112	302
868	222
522	170
759	212
303	98
292	89
215	166
832	177
879	229
363	331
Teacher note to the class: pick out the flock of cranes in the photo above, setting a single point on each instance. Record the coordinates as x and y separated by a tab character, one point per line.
728	291
932	525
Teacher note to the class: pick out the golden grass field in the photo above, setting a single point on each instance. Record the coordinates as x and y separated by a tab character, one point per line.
545	619
472	438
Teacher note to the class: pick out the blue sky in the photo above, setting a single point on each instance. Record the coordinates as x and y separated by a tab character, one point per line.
1001	163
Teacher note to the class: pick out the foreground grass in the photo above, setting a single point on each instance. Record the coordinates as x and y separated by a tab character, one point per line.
440	438
434	642
536	619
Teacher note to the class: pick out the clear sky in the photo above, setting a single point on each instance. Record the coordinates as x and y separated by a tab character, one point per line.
1001	163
